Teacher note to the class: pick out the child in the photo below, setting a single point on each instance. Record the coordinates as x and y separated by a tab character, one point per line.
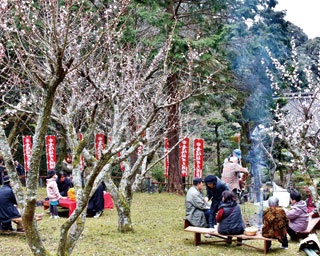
53	194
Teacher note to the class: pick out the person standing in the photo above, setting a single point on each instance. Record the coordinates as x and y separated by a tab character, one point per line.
150	184
214	187
19	168
197	210
53	194
231	174
235	153
298	215
67	165
229	215
275	222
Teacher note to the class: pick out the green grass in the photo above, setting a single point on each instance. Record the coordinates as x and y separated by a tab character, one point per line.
158	230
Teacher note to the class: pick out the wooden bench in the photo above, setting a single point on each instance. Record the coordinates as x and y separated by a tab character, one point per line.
186	223
312	226
229	238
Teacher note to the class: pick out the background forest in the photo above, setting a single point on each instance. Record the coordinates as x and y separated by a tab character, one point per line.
234	73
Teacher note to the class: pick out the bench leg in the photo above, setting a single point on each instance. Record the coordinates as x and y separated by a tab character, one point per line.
197	239
239	241
186	223
229	240
267	245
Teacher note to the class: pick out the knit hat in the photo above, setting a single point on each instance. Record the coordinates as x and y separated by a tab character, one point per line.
51	173
210	179
237	152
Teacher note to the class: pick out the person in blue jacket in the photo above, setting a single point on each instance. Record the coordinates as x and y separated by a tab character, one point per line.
214	187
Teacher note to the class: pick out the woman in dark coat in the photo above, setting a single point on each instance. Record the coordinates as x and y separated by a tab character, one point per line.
229	215
96	202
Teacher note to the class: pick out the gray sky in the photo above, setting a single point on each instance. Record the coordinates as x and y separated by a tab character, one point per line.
304	14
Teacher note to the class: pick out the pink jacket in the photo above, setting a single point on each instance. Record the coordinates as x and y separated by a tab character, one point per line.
52	190
298	216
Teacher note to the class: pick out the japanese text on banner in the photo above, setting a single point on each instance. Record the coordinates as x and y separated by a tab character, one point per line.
27	150
166	159
184	156
198	148
100	144
51	152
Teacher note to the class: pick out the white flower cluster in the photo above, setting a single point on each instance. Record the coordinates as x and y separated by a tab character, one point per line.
297	123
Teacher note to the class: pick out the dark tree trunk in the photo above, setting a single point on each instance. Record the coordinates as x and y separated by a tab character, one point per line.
174	175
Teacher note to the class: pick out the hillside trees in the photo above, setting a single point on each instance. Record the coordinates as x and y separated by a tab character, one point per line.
199	24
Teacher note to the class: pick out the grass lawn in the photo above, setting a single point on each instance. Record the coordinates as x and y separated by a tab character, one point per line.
158	230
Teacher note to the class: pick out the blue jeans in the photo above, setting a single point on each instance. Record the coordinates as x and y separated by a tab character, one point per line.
150	186
54	208
209	218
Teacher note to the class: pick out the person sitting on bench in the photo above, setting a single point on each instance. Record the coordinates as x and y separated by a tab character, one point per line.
275	222
64	183
197	210
229	215
8	210
297	215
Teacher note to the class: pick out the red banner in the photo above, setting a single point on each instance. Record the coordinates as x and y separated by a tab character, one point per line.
51	152
27	150
80	137
166	159
184	156
198	148
122	167
100	144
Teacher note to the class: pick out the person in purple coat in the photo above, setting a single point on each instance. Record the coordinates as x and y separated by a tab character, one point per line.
297	215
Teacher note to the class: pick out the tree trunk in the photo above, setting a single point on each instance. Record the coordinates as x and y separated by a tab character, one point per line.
174	175
124	216
122	198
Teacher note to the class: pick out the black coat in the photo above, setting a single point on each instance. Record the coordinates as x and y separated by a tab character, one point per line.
96	202
8	210
64	186
232	222
20	170
215	194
